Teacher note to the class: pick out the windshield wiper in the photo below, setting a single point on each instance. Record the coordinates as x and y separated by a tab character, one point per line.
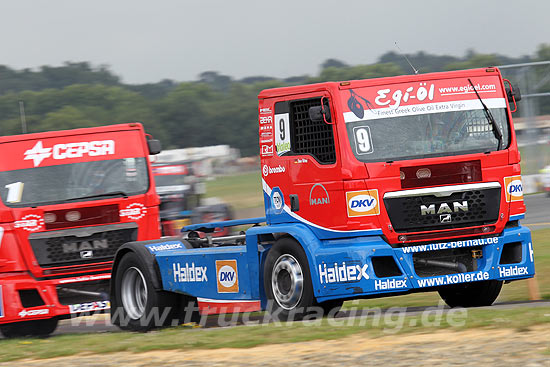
105	194
496	131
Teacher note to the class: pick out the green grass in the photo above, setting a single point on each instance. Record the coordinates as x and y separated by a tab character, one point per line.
241	191
185	338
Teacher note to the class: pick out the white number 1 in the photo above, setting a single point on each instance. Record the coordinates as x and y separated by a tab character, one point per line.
15	191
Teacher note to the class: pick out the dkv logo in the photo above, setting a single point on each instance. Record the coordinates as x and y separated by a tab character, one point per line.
362	203
514	188
227	276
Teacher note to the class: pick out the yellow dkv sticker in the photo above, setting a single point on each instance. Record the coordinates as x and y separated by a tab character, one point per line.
362	203
514	188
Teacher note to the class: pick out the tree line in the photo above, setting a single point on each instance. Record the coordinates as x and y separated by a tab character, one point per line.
215	109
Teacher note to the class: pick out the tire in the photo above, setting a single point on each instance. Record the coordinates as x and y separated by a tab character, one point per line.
34	328
473	294
287	281
137	305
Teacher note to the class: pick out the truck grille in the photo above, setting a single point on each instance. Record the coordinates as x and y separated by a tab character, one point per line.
472	205
81	245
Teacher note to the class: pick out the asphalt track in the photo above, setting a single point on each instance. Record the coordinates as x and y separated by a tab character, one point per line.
537	217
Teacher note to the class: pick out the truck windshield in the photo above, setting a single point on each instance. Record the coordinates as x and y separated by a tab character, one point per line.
427	135
86	181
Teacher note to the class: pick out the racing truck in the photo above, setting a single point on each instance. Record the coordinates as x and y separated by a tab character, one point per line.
181	191
371	188
69	200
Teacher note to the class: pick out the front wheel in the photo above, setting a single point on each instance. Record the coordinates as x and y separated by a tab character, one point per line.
32	328
473	294
138	306
287	283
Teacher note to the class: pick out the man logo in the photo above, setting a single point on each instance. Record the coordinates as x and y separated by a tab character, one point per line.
88	254
227	276
514	188
445	218
362	203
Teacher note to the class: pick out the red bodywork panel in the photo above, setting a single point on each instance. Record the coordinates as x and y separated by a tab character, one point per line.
326	190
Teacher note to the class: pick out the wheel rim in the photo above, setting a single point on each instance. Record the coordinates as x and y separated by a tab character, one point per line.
287	281
134	292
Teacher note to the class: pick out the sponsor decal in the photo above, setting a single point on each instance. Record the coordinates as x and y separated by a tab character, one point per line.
187	274
362	203
265	111
41	311
266	170
266	150
277	200
351	272
512	271
450	245
30	222
392	98
453	279
164	246
134	211
318	195
390	284
531	254
89	306
300	160
70	150
266	140
514	188
227	276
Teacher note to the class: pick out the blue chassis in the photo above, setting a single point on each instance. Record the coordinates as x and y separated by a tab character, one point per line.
349	257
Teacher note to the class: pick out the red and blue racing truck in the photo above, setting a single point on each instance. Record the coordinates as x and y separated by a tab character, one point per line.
371	188
69	200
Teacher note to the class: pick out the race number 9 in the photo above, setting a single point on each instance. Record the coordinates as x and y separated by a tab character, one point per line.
363	142
282	135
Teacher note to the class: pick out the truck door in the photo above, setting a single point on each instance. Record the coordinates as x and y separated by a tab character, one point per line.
305	165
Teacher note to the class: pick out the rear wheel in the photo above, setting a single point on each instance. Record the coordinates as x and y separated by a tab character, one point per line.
473	294
138	306
29	328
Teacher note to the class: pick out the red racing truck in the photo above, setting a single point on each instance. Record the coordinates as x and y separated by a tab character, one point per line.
69	200
371	187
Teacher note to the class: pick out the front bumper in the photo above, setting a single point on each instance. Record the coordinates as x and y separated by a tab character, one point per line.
368	266
41	297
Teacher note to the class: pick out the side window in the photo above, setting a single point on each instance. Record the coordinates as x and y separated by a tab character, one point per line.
295	133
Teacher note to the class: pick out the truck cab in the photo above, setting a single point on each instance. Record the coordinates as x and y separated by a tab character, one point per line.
69	200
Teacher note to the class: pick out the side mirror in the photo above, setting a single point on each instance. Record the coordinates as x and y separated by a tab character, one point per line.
154	146
513	93
315	114
320	113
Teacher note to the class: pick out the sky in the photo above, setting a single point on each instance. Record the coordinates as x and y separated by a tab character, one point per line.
147	41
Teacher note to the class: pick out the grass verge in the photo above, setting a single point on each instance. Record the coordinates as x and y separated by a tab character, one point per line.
184	338
241	191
